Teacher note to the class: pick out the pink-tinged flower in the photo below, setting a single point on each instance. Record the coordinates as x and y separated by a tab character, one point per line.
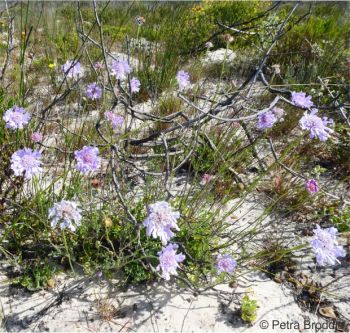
316	125
266	120
225	264
278	112
326	247
300	99
311	186
98	65
73	70
135	85
93	91
67	213
183	79
26	161
36	137
169	261
16	118
206	178
209	45
87	159
115	119
120	69
160	220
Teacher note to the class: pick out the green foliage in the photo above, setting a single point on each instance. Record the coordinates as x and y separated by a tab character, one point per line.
249	309
340	218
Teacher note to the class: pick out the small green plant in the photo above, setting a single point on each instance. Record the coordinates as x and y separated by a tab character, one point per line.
249	309
340	218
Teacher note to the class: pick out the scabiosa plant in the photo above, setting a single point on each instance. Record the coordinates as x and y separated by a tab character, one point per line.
115	119
93	91
183	79
16	118
87	159
72	69
135	85
326	247
67	213
36	137
266	120
225	263
160	220
316	125
278	112
120	69
300	99
26	161
311	186
169	261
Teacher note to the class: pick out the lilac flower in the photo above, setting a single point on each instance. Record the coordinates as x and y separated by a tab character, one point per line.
135	85
316	125
326	247
36	137
300	99
225	264
16	118
120	68
26	160
183	79
72	70
160	220
93	91
98	65
169	260
311	186
266	120
115	119
278	112
206	178
87	159
65	212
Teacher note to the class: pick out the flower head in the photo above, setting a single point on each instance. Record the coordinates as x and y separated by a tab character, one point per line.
120	69
206	178
225	263
311	186
300	99
87	159
266	120
183	79
36	137
93	91
115	119
140	20
278	112
316	125
169	260
160	220
135	85
209	45
26	160
72	69
98	65
16	118
65	212
326	247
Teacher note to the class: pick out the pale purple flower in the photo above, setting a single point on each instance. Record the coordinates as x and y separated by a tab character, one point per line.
72	70
93	91
300	99
87	159
98	65
115	119
311	186
16	118
266	120
169	261
67	213
135	85
36	137
326	247
225	263
278	112
120	69
160	220
183	79
26	161
316	125
209	45
206	178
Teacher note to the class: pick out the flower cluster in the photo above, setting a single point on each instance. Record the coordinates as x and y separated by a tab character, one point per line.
115	119
16	118
72	69
183	79
266	120
169	260
120	69
66	212
311	186
326	247
316	125
26	161
36	137
300	99
225	263
87	159
93	91
135	85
